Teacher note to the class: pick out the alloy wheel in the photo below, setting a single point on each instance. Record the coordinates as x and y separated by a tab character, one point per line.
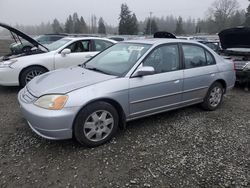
32	74
215	96
98	125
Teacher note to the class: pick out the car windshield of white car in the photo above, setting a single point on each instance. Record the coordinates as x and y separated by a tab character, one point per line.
118	59
56	45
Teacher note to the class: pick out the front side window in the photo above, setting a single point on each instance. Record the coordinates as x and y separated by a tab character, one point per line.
79	46
118	59
195	56
163	59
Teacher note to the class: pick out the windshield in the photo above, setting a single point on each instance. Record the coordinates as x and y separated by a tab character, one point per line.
118	59
56	45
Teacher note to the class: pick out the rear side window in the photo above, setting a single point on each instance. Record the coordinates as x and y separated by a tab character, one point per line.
210	59
101	45
195	56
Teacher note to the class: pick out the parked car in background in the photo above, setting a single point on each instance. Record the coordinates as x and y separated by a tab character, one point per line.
25	46
19	37
235	43
117	38
214	45
66	52
94	99
185	38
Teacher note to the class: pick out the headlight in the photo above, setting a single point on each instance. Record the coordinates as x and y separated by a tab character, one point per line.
52	102
7	63
247	66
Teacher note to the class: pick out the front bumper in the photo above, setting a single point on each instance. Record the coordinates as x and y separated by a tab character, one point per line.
9	76
49	124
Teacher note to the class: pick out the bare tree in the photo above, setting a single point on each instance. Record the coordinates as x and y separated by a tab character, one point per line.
221	11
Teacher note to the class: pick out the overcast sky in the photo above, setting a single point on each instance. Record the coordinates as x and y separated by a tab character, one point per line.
29	12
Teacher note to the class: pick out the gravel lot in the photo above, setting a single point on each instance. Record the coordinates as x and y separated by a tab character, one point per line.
183	148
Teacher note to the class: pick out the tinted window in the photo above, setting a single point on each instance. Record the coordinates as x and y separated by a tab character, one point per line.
79	46
164	59
194	56
101	45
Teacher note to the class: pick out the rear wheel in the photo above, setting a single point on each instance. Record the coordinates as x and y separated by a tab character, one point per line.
96	124
214	97
28	74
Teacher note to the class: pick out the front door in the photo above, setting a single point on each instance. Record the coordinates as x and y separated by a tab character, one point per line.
162	90
80	53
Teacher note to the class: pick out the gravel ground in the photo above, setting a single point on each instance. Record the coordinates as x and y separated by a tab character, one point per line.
183	148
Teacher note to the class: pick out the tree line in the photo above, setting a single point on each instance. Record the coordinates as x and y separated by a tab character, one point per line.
220	15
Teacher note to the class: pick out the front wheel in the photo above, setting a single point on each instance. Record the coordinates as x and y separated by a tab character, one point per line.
28	74
96	124
214	97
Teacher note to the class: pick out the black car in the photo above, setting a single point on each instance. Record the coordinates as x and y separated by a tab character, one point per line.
235	43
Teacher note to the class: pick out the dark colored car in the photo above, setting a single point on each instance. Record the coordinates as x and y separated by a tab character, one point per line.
235	43
19	37
24	46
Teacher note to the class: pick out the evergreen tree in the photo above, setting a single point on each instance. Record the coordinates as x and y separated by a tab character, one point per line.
125	17
151	27
69	25
247	21
83	25
76	23
179	26
101	26
56	26
134	25
128	24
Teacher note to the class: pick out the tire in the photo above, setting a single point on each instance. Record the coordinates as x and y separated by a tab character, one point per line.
214	97
29	73
96	124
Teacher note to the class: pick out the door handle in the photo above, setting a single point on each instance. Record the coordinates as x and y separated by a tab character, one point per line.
212	74
177	81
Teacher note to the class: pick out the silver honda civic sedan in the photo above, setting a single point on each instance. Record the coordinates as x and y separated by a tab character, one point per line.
129	80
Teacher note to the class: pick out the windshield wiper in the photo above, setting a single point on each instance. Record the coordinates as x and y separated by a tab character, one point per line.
96	69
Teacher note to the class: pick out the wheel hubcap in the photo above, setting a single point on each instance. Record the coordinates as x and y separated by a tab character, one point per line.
32	74
215	96
98	125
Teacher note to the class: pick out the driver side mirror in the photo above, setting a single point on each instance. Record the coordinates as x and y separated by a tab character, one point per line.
65	52
144	71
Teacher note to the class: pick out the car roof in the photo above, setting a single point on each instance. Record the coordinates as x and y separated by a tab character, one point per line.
89	38
159	41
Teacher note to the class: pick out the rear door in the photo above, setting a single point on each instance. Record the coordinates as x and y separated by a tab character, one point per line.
199	73
162	90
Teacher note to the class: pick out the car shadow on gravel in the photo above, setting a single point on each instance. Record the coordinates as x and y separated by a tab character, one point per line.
9	89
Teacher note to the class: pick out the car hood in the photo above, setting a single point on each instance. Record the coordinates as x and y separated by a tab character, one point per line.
65	80
24	36
235	38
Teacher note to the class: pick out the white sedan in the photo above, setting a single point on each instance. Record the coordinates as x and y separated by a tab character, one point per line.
69	51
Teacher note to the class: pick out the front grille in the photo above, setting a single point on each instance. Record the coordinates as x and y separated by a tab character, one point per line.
239	65
27	97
